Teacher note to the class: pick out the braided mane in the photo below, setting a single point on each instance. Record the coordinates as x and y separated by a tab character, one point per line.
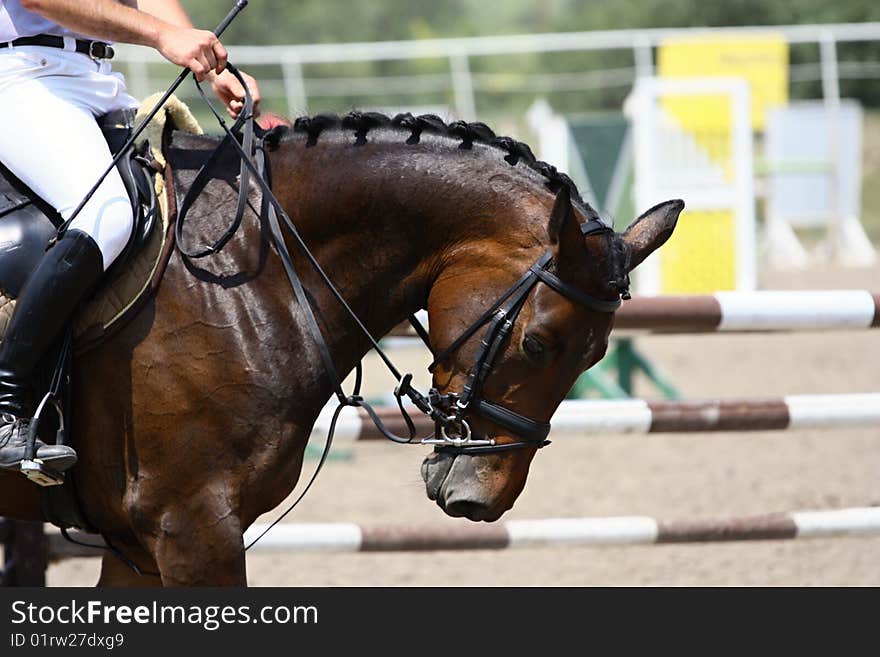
361	123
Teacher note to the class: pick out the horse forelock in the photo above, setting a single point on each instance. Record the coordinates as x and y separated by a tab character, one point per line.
618	264
604	268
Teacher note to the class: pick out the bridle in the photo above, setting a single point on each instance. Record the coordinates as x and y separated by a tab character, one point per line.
454	430
449	410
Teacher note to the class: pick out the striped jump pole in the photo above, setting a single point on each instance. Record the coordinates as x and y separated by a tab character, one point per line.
554	532
729	312
752	311
585	417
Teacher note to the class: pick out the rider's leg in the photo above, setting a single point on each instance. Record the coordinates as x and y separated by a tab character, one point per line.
66	274
52	143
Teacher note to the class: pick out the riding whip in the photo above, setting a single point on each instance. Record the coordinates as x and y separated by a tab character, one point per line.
239	5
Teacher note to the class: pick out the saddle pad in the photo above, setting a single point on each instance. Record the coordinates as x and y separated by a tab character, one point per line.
118	295
7	306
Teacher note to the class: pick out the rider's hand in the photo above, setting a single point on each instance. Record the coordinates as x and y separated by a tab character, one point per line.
198	50
229	91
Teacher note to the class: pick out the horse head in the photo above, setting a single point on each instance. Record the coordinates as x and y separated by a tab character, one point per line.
559	330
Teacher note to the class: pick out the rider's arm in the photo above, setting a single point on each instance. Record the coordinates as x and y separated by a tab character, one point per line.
170	11
225	85
161	24
199	50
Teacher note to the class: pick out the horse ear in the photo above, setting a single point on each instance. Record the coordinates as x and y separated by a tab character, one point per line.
564	227
650	231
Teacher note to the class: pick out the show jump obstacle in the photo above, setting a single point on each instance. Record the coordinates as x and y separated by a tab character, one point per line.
752	311
741	312
724	311
552	532
579	418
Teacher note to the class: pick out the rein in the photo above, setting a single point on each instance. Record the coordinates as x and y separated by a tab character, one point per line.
448	410
272	210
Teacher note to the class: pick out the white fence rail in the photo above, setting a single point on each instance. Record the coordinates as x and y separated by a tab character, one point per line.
458	53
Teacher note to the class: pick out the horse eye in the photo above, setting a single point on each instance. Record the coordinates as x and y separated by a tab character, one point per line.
533	347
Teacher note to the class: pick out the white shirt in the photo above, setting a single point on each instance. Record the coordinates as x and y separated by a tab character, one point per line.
18	22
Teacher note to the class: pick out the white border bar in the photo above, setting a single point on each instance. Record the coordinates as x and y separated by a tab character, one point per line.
330	536
840	522
821	411
793	310
621	530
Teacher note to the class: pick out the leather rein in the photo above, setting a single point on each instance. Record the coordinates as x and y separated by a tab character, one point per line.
448	411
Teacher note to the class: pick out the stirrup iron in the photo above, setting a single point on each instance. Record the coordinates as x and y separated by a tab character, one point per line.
32	467
41	474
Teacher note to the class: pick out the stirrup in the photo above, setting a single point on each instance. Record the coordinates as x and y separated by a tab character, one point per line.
41	474
34	468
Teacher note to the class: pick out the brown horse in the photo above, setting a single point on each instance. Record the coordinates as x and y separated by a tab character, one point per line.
193	419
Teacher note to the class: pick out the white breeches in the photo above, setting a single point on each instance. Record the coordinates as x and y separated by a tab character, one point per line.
49	99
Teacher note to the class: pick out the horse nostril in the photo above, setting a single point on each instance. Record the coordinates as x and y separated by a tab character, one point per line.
466	509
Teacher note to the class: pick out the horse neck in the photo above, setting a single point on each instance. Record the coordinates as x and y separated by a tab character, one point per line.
386	222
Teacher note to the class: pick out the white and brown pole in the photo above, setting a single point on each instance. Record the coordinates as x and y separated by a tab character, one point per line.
593	532
775	310
744	312
587	417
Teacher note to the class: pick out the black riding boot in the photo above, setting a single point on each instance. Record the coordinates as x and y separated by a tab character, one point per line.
67	272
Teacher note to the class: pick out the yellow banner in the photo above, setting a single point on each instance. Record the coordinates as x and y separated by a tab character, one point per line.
760	59
700	257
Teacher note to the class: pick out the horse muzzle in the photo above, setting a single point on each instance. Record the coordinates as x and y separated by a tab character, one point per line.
454	482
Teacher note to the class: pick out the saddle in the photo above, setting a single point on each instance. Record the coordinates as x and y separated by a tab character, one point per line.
28	223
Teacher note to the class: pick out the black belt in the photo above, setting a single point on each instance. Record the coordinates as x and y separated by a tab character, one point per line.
94	49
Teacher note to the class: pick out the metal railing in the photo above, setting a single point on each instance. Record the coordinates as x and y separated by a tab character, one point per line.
464	83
